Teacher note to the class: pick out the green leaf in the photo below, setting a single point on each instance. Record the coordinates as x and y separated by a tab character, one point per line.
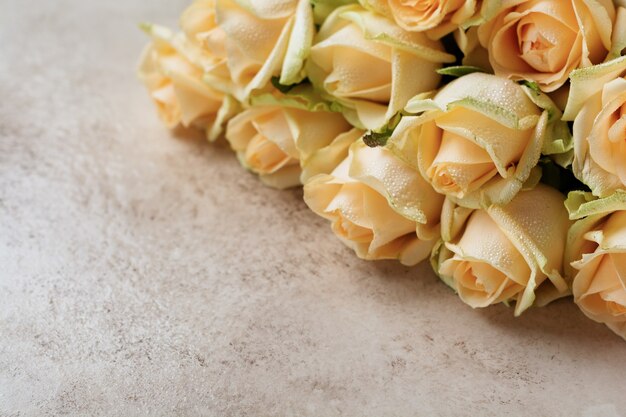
374	139
301	96
459	70
532	85
281	87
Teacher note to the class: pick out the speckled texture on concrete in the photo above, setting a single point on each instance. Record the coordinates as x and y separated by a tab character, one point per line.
145	273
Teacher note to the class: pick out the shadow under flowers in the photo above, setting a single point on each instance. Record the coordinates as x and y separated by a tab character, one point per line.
417	290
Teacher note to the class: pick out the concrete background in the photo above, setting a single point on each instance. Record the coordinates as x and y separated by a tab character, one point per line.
145	273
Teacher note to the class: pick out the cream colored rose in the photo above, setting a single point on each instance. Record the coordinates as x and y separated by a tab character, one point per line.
439	17
172	70
544	40
478	140
505	253
597	102
263	39
371	66
597	252
278	142
199	25
378	205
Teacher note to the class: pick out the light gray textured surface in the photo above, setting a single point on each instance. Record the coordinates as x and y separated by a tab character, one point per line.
142	274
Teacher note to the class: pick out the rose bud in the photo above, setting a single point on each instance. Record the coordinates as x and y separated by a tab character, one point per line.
370	66
438	17
544	40
265	39
597	103
173	68
596	251
505	253
378	205
479	139
199	25
282	144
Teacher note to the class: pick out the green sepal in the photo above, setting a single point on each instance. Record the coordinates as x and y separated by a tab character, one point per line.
459	70
379	138
580	204
558	142
301	96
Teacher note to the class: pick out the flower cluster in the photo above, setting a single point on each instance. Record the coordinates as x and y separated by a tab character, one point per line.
488	136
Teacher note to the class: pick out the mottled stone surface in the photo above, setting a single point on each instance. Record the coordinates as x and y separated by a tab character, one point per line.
145	273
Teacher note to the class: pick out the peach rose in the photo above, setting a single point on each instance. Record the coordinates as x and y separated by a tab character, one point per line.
285	145
378	205
505	253
370	66
479	139
439	17
544	40
263	39
597	252
172	70
199	25
597	103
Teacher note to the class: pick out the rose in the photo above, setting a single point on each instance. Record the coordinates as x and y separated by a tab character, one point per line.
171	68
439	17
285	145
198	20
597	103
479	138
175	67
263	39
378	205
596	250
505	253
544	40
199	25
371	66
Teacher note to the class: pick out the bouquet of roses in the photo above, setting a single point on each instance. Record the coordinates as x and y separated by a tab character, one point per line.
487	136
